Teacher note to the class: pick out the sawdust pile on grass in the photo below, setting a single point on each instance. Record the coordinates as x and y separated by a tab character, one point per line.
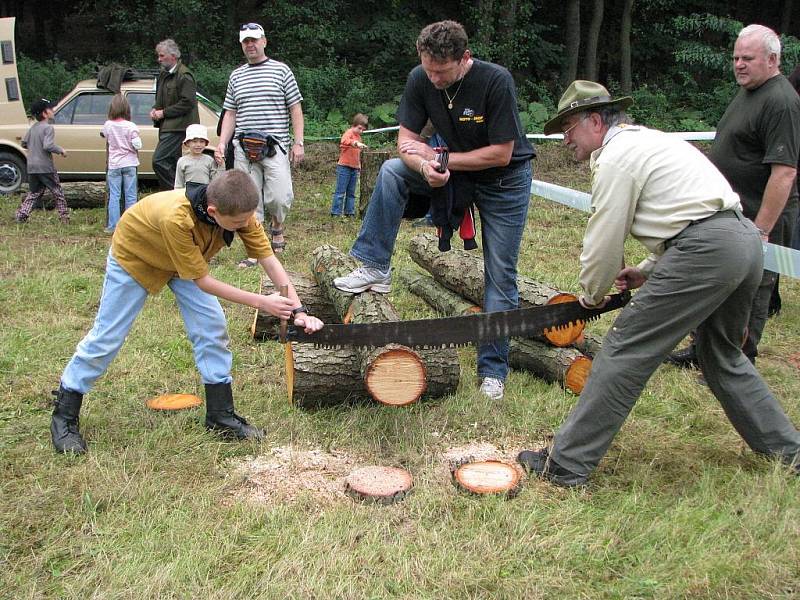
287	474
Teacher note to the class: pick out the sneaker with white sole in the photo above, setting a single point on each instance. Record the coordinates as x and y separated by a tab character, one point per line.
492	388
363	279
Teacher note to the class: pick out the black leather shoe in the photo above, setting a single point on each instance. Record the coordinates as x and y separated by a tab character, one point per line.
221	418
539	462
686	358
64	425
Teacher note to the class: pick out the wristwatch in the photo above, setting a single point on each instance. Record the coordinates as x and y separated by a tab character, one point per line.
299	309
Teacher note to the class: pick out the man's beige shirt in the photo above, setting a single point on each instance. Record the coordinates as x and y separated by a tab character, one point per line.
648	184
160	237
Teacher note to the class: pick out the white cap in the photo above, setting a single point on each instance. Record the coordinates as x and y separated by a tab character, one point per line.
251	30
195	132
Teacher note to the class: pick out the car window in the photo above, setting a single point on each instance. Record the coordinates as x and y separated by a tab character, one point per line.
85	109
141	103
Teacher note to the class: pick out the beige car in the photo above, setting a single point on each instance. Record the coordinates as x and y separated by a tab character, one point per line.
79	116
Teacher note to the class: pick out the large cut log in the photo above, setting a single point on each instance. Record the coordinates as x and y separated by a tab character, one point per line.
371	161
589	343
265	326
566	366
79	194
392	374
325	377
462	272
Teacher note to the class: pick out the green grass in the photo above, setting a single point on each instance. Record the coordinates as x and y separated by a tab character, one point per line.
679	508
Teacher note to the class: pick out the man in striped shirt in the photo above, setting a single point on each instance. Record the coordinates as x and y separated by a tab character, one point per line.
263	98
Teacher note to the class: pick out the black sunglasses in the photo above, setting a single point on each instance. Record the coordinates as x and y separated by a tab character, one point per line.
246	26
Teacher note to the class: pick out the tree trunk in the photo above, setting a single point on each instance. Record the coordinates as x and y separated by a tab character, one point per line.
592	38
79	194
567	366
572	42
325	377
625	78
462	272
265	326
371	161
786	17
392	374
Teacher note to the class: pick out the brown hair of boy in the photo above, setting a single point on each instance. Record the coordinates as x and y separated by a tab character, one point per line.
119	108
232	193
359	119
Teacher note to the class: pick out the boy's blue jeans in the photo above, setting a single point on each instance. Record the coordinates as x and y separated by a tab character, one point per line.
120	181
503	207
346	178
121	301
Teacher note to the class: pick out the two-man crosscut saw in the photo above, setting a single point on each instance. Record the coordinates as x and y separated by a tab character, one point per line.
456	331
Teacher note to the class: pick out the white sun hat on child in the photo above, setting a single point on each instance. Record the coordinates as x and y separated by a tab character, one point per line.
196	131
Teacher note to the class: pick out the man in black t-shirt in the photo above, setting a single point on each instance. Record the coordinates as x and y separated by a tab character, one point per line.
756	148
472	105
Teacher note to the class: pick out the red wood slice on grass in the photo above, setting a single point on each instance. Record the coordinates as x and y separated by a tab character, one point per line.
487	477
384	485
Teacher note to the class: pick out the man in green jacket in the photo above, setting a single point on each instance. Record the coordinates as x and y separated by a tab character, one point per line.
175	109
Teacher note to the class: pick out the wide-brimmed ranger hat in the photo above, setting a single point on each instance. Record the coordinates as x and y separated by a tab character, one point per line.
580	96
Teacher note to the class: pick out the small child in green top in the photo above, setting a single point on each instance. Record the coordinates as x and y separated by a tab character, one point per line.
197	166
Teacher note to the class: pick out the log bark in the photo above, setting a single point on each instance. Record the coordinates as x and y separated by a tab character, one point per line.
462	272
79	194
392	374
325	377
371	161
265	326
589	343
566	366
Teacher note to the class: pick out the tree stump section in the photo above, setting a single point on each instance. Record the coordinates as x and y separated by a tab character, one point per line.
79	194
371	161
326	377
487	477
384	485
388	370
462	272
265	326
566	366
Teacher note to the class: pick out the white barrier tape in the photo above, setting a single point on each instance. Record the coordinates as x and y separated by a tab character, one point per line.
779	259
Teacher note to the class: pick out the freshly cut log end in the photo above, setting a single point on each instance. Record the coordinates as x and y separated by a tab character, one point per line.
396	377
384	485
577	374
488	477
173	402
567	334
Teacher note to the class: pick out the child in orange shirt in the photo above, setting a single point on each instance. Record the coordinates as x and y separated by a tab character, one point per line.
348	167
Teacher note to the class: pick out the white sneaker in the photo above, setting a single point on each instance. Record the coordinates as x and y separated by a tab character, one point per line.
492	388
363	279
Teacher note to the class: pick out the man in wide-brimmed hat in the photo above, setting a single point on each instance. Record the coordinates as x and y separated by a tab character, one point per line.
704	268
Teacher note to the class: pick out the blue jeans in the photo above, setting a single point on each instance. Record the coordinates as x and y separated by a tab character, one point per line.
346	178
503	207
121	301
120	181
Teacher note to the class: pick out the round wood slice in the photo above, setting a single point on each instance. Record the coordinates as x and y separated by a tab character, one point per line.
567	334
577	374
384	485
487	477
174	402
396	377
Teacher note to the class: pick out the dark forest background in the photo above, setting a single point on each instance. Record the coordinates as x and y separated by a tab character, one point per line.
672	56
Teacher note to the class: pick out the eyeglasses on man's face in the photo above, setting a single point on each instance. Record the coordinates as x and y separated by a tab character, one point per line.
567	131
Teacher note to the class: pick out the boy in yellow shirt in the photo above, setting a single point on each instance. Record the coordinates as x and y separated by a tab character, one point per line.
168	238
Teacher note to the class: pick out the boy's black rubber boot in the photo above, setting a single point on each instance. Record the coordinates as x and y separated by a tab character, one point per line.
685	358
220	416
65	422
539	462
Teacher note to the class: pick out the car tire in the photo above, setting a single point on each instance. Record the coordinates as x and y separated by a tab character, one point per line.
12	172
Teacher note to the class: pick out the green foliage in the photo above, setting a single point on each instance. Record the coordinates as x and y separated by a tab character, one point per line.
50	78
534	116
